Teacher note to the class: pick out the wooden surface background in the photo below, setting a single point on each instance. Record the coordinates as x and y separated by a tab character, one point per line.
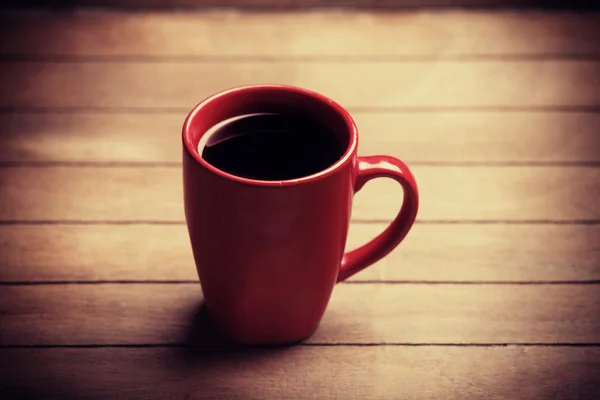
494	294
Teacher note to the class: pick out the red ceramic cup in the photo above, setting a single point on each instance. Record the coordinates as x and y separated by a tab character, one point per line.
269	253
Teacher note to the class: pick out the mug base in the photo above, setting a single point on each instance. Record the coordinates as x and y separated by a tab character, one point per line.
253	337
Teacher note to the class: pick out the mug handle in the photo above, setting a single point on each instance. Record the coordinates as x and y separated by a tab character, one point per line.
372	167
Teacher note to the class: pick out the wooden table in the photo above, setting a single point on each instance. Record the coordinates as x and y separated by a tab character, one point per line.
495	293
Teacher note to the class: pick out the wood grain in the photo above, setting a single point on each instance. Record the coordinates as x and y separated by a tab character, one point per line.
301	34
410	84
447	194
374	373
441	137
430	253
360	313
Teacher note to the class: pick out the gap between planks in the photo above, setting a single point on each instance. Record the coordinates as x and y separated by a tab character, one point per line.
299	59
167	110
300	345
356	281
142	222
150	164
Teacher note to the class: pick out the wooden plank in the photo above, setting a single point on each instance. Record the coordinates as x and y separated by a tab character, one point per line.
360	313
434	253
465	373
301	4
447	194
326	34
383	84
441	137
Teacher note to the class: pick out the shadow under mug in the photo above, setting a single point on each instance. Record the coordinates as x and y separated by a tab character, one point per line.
269	253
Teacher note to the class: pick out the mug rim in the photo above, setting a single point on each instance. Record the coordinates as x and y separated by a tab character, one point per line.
350	130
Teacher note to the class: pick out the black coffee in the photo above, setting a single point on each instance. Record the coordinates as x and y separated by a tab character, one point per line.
272	147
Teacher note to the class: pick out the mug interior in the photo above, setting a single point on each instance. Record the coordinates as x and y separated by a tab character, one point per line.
268	99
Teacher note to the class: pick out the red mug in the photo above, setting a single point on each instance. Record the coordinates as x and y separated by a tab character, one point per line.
269	253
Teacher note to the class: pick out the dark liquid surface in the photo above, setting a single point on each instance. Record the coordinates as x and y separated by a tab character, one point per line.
272	147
